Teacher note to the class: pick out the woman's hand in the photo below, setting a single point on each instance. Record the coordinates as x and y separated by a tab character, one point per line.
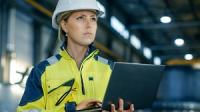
88	103
121	107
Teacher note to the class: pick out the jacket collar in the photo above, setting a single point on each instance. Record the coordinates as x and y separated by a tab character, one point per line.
66	55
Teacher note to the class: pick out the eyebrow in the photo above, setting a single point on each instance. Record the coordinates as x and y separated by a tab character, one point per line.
93	15
85	15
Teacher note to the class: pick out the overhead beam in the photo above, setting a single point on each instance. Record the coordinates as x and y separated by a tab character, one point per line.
145	35
172	56
171	47
166	26
189	40
192	8
39	7
183	62
154	18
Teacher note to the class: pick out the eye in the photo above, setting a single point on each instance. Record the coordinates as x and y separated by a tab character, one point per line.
94	19
80	18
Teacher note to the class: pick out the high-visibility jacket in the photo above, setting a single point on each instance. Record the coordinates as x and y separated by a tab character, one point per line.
57	80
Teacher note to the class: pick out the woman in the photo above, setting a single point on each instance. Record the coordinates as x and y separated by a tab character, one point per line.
77	77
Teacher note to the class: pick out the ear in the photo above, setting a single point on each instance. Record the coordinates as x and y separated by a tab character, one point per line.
64	26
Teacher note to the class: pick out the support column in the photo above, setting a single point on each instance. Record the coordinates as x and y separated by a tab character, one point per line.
4	15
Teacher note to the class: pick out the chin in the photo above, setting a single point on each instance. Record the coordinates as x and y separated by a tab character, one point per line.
87	42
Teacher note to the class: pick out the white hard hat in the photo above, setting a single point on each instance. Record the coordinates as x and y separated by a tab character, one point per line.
73	5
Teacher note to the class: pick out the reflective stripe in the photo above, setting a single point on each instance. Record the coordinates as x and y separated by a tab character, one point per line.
103	60
52	60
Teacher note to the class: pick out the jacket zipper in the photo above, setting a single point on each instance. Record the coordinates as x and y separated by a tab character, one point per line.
91	81
82	82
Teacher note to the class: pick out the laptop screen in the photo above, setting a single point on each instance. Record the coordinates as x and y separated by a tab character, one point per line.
135	83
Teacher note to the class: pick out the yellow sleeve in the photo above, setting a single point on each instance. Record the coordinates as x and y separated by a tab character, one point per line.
33	99
30	108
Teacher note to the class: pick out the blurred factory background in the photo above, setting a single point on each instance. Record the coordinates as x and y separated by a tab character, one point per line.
140	31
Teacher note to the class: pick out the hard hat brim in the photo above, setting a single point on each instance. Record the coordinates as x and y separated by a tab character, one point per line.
57	18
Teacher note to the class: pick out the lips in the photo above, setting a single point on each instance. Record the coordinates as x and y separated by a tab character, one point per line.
88	33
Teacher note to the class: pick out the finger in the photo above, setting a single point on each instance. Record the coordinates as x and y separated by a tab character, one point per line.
131	108
121	105
104	111
99	104
112	108
94	100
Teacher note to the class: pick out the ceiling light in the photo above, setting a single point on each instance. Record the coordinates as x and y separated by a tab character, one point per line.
125	34
188	57
179	42
147	53
165	19
157	61
119	27
135	42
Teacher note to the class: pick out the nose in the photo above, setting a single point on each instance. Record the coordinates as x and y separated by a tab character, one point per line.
88	23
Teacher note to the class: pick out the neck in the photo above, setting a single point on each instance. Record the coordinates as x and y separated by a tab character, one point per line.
77	52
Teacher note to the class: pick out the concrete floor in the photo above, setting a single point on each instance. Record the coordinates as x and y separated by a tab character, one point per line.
10	96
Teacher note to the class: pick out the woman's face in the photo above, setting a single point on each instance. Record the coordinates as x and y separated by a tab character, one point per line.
80	27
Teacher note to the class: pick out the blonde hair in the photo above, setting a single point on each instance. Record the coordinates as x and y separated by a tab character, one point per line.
61	33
